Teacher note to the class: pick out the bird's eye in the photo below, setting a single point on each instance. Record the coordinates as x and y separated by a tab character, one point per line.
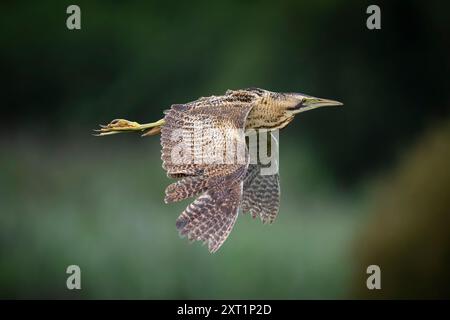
297	106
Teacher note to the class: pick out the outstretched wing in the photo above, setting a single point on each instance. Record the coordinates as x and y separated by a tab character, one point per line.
211	217
204	145
203	140
261	196
261	189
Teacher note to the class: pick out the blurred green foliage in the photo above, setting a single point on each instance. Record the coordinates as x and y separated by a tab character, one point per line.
412	208
99	204
69	198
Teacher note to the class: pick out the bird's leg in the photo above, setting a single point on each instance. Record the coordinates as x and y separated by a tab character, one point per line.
122	125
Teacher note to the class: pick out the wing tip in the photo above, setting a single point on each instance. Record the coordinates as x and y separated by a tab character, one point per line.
180	224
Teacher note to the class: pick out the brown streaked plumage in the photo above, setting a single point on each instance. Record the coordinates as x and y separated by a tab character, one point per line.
221	188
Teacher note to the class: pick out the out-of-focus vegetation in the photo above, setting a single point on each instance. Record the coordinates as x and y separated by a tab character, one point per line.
99	204
69	198
408	235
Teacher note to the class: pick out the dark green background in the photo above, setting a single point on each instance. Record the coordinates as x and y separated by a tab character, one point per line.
364	184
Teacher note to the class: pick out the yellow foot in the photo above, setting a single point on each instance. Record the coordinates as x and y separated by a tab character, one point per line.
122	125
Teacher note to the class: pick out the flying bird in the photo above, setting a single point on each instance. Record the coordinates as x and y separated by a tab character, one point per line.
196	139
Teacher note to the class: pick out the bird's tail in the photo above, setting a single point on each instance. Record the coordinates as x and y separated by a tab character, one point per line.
122	125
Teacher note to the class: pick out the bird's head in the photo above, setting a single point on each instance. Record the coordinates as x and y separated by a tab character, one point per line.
279	109
294	103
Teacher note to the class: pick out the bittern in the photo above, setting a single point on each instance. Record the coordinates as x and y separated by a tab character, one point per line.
221	188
